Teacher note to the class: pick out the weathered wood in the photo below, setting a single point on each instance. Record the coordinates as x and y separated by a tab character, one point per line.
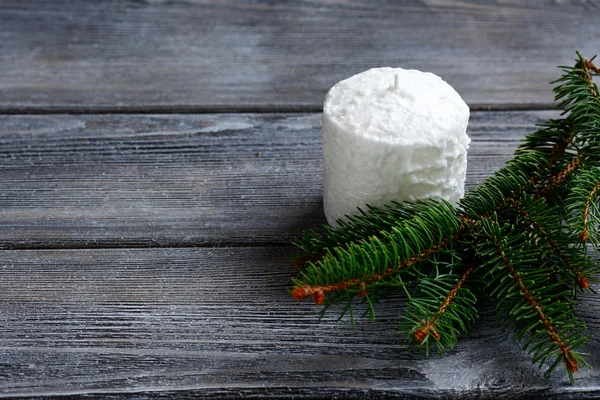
220	322
256	55
183	180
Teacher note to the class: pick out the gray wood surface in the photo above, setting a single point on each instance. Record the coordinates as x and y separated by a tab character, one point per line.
184	180
220	322
215	321
157	158
151	56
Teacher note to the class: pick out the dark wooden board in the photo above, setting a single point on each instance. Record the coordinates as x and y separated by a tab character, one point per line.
184	180
268	55
220	322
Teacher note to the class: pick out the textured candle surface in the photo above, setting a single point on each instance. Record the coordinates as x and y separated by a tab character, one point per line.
392	134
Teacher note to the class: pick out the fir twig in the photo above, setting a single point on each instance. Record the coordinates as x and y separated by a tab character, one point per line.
532	308
583	213
586	213
561	177
543	224
371	260
439	312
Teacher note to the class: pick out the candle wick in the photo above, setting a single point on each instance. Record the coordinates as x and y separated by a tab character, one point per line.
395	81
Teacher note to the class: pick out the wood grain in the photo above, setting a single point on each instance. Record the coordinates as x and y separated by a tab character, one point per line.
192	127
184	180
203	55
219	322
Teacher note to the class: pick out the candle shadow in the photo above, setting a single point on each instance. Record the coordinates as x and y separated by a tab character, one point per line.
311	216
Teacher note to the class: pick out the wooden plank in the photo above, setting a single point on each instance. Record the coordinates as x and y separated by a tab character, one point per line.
256	55
183	180
220	322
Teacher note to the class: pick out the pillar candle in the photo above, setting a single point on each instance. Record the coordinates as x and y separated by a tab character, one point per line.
392	134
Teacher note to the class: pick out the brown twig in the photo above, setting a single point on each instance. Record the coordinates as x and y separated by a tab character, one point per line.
422	333
560	177
558	150
582	280
586	213
589	65
571	362
586	67
318	292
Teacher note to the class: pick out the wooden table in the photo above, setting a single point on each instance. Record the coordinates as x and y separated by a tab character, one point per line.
158	157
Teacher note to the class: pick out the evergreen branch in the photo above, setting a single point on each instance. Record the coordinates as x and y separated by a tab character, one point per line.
583	214
553	138
558	150
573	98
443	309
561	176
586	213
533	305
543	225
590	66
315	243
403	244
516	177
587	66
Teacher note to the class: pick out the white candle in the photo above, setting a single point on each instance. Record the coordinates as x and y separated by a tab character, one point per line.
392	134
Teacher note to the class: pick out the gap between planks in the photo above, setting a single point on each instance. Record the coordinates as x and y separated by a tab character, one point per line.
219	244
225	109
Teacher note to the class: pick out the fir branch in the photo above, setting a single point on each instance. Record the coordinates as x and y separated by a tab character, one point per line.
370	261
583	214
561	176
558	149
577	91
442	308
545	228
588	66
315	243
586	213
553	137
531	308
